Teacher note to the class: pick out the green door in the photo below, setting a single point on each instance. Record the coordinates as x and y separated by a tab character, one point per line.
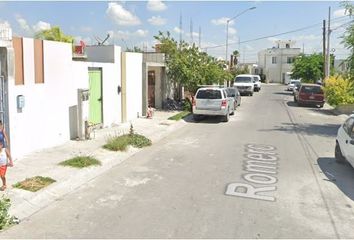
95	114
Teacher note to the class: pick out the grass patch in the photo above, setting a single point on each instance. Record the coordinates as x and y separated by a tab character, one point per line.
179	116
121	143
34	184
80	162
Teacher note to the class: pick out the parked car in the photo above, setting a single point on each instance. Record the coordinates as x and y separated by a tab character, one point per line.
310	94
233	92
291	85
244	84
257	83
296	87
213	101
344	150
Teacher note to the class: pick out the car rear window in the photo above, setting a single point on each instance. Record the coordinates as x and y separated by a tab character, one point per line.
311	89
243	79
209	94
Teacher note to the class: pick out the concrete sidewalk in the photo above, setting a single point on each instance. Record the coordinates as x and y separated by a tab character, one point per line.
45	163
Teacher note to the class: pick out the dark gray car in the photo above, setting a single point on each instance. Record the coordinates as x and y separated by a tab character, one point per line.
233	92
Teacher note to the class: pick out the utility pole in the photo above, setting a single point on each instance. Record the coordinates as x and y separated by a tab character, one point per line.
200	36
328	58
180	30
324	49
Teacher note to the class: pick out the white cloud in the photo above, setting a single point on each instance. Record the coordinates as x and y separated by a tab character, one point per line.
221	21
232	31
40	26
177	30
23	24
340	13
157	21
156	5
127	34
121	16
141	33
30	30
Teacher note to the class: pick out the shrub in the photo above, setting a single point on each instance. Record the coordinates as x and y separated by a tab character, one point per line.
5	218
121	143
187	105
339	90
179	116
80	162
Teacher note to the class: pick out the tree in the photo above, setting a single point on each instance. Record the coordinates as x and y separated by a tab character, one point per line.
308	68
348	40
236	54
188	66
54	34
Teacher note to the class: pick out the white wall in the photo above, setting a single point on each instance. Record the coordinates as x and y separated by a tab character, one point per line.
44	121
134	86
111	78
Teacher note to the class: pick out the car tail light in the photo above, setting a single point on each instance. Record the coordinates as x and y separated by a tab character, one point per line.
193	102
223	103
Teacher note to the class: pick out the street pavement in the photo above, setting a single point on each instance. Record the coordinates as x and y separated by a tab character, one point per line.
267	173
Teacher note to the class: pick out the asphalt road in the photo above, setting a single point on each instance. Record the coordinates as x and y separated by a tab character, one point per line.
268	173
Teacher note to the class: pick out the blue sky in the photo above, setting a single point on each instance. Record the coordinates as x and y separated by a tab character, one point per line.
134	23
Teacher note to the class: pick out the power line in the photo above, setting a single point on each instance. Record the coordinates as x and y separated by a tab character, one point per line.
274	35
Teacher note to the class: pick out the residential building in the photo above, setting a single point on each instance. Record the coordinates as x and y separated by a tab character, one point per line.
276	62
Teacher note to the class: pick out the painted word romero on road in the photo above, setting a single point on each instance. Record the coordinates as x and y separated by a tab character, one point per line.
261	166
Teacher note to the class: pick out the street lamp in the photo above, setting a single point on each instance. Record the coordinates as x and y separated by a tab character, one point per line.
227	29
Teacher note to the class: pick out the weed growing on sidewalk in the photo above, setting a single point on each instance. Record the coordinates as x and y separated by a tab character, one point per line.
179	116
80	162
34	184
5	219
120	143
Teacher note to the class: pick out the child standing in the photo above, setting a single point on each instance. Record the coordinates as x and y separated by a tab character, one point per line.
5	160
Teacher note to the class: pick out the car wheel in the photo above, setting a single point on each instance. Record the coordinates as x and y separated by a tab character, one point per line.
338	154
227	117
321	106
251	94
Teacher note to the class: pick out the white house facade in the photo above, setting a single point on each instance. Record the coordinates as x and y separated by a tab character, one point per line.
276	62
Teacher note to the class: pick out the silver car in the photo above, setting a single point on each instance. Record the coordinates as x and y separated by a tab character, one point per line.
213	101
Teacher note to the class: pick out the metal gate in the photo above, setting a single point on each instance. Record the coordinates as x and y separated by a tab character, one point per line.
4	117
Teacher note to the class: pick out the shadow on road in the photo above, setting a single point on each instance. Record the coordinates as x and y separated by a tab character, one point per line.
342	175
284	93
328	112
327	130
204	119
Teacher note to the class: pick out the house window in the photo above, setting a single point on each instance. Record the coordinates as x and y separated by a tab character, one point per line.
287	45
18	50
274	60
290	60
38	61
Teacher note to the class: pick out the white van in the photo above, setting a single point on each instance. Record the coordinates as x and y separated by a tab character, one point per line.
245	84
257	83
